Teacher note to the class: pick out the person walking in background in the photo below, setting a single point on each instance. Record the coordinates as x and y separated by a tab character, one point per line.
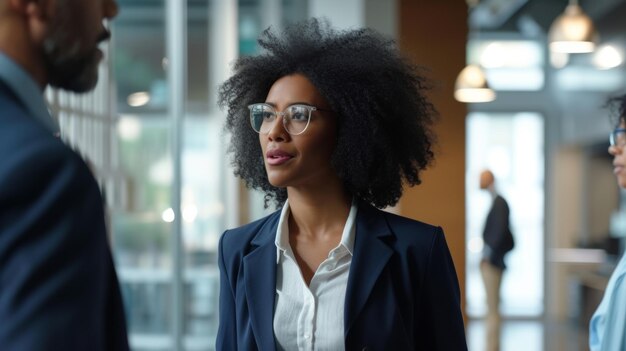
607	328
58	287
498	240
331	125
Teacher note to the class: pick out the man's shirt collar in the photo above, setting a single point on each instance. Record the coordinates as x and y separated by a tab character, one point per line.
27	91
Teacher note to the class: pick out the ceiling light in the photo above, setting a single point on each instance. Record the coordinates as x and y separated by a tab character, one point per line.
573	31
471	86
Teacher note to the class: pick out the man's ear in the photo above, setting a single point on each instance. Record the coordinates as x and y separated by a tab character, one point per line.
21	6
33	9
36	13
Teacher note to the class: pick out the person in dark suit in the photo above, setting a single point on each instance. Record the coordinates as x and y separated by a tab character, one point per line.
330	125
58	286
498	241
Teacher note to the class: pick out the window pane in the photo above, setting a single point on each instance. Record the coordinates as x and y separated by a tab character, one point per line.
203	212
139	56
141	215
141	223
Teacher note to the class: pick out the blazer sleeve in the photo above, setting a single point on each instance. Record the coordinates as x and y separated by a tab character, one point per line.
55	264
444	321
227	330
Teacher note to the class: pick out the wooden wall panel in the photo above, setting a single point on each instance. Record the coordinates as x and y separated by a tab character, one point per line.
434	34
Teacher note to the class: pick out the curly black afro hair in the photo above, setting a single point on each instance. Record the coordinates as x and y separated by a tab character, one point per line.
617	107
384	118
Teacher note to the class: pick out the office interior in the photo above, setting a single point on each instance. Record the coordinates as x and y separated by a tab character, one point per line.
153	131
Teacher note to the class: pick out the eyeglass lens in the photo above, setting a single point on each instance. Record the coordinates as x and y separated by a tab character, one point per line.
295	118
618	137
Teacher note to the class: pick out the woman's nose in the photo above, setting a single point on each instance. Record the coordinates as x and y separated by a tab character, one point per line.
615	150
277	131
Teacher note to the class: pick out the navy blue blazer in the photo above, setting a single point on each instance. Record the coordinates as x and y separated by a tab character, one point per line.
58	287
402	291
497	233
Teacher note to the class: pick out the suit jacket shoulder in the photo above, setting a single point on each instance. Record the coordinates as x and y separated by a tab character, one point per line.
407	264
25	140
412	235
239	239
409	229
56	270
33	160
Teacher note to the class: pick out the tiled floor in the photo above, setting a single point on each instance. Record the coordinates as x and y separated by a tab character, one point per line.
533	335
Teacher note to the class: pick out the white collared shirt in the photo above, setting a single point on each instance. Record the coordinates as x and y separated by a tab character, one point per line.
311	317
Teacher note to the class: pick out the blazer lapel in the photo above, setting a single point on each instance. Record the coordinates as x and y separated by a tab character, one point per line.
259	268
370	257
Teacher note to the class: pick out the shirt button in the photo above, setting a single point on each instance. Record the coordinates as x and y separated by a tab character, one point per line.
306	336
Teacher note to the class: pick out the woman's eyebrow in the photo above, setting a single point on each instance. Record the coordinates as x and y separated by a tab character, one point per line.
291	103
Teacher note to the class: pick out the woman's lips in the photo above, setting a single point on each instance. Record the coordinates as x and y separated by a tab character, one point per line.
277	157
618	169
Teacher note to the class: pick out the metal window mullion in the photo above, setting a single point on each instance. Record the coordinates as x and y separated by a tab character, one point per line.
176	38
223	32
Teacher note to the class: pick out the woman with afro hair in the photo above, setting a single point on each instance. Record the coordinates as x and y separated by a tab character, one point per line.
330	125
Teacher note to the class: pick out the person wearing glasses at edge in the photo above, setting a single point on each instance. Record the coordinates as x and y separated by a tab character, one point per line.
607	329
330	125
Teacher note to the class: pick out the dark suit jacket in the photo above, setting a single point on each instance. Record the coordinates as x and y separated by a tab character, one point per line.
497	233
402	291
58	287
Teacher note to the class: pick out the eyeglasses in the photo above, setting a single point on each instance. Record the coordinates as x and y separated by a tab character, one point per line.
296	118
618	137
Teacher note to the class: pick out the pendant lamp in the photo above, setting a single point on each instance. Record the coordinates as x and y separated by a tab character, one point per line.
471	86
573	31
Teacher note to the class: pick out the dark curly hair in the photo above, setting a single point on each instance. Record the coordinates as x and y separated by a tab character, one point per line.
384	136
617	108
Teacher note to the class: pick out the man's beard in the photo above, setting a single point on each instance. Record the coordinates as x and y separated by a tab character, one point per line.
69	65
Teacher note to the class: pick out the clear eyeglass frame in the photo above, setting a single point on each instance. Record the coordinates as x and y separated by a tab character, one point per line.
263	117
618	137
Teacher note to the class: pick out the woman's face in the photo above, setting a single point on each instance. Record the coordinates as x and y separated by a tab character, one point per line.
304	159
619	156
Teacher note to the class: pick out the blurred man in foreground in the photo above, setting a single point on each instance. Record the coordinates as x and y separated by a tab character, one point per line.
58	287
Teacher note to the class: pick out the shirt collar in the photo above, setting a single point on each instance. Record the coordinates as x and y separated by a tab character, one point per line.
282	231
27	91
